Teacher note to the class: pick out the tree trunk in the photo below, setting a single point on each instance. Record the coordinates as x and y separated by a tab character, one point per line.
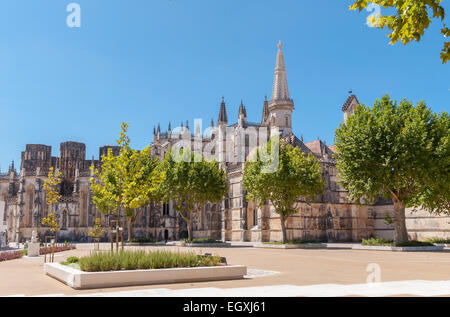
189	227
130	229
401	233
283	228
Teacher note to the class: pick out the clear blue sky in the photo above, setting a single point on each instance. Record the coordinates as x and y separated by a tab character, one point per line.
150	61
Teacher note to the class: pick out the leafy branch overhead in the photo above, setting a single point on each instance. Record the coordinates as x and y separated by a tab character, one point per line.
411	19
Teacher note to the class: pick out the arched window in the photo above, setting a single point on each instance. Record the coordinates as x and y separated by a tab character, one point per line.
287	120
165	209
28	220
64	220
66	188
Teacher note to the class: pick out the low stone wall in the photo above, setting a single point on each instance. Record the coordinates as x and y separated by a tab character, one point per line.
422	225
291	246
398	249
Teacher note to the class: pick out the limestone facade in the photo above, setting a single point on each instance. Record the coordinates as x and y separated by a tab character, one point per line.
330	218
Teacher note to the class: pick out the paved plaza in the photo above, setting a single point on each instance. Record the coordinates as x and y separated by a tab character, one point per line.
271	272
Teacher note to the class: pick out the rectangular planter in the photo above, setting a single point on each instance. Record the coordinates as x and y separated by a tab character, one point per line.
151	244
398	249
78	279
200	245
292	246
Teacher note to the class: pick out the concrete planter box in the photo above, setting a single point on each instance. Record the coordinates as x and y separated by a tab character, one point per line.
137	244
398	249
445	245
292	246
200	245
78	279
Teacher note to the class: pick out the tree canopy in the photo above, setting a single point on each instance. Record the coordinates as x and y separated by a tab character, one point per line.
127	181
411	19
52	196
190	184
298	176
398	151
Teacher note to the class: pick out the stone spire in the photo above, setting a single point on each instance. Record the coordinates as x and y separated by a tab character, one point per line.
281	105
223	118
242	115
242	110
280	84
170	127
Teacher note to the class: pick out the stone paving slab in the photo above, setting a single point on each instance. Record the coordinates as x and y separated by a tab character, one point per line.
413	288
295	267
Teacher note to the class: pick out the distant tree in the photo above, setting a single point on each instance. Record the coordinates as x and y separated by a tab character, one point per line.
127	181
411	19
52	197
397	151
97	231
191	183
298	176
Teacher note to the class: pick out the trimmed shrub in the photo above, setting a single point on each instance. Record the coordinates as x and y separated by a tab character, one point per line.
386	242
142	260
203	240
143	240
437	240
377	242
48	250
72	259
10	255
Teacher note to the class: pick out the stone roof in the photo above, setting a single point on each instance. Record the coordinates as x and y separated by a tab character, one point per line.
349	102
319	148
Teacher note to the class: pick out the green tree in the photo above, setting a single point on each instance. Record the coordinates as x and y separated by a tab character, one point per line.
191	182
127	181
397	151
52	197
97	231
298	176
411	19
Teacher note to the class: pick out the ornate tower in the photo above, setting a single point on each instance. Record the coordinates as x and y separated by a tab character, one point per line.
221	131
223	118
72	156
281	105
349	106
242	115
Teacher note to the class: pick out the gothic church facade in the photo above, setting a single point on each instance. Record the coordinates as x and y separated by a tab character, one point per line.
331	218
